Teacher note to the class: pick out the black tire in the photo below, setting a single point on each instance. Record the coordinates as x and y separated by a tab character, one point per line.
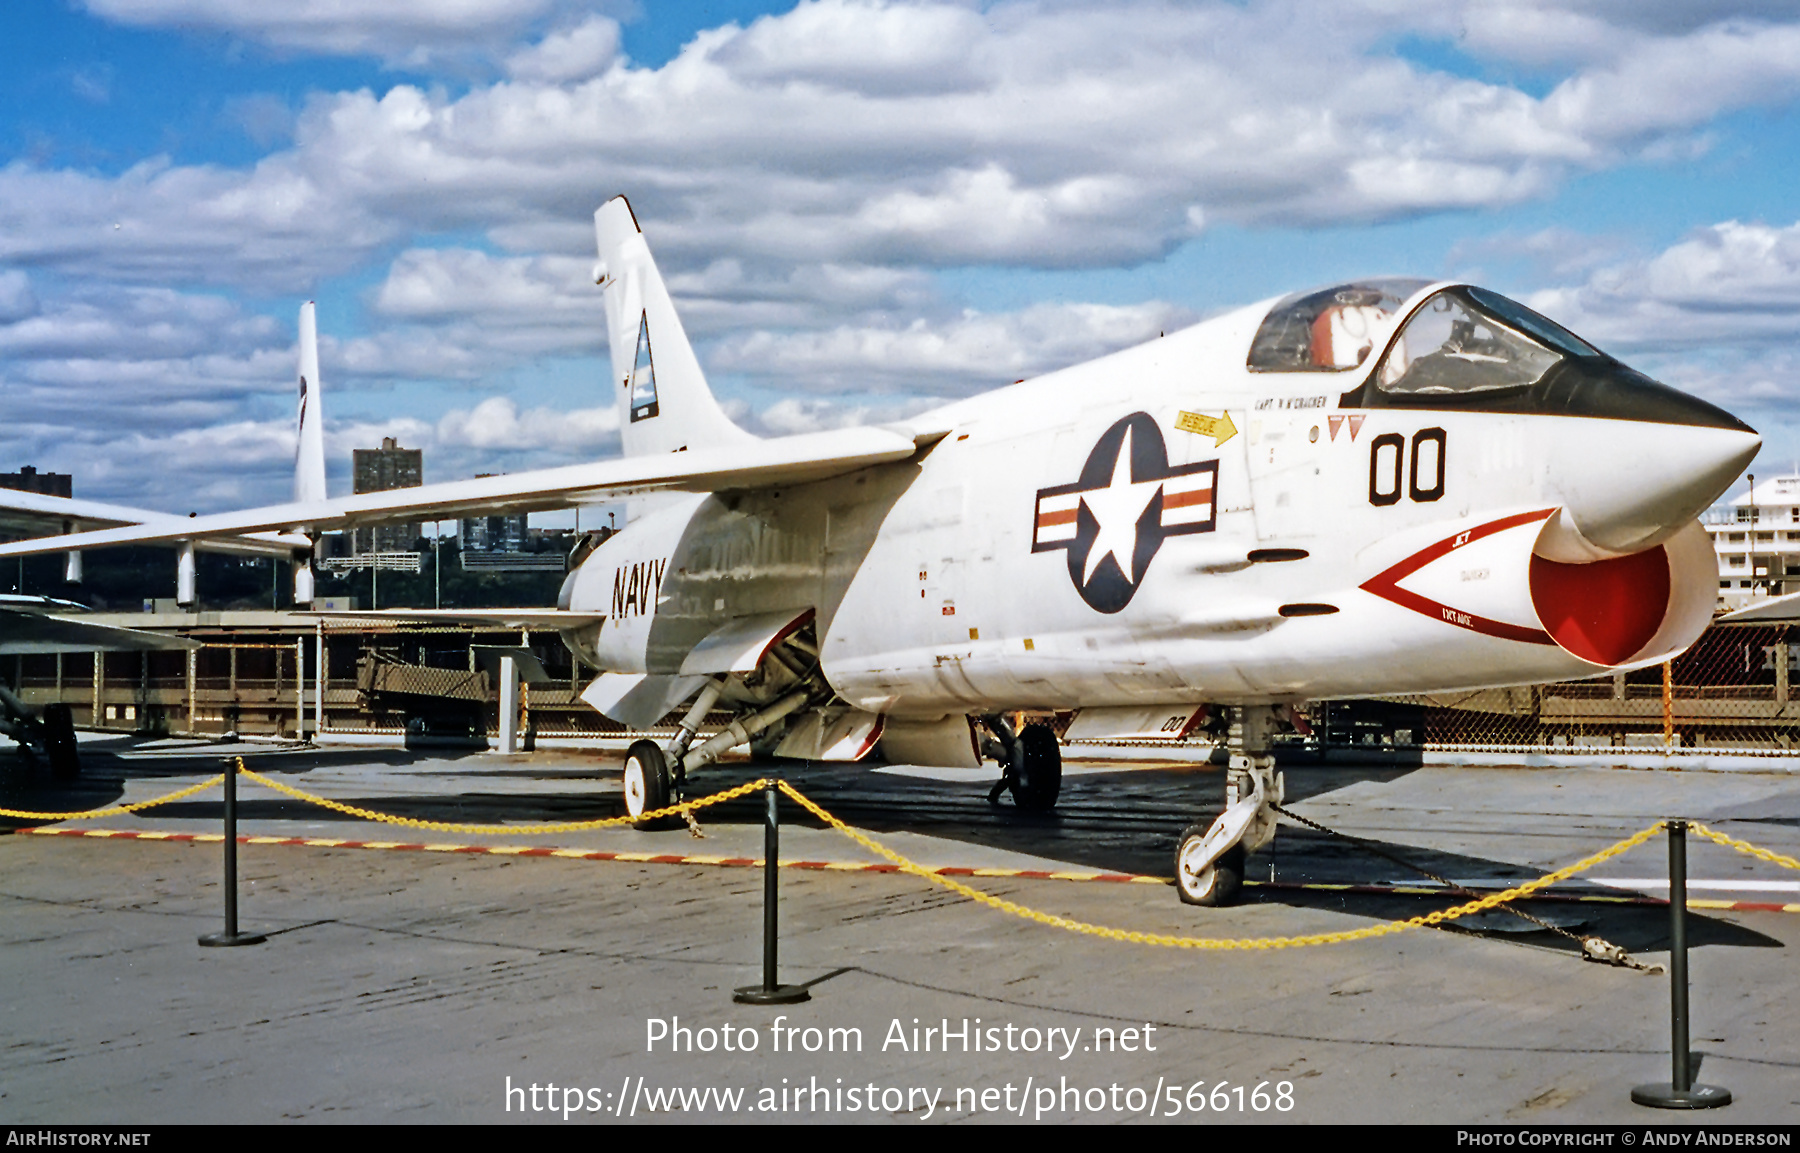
649	785
1218	883
59	742
1037	774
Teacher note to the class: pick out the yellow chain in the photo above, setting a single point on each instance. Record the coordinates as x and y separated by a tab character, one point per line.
1141	938
135	806
905	865
524	830
1744	846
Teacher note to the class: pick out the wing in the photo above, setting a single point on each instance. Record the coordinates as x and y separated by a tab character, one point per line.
37	515
759	464
26	633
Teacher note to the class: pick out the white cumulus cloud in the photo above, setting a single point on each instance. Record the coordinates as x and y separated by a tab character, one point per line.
576	54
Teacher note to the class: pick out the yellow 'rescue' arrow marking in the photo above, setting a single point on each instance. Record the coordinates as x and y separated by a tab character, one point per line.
1218	427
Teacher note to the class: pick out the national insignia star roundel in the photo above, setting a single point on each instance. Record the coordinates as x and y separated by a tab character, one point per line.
1128	501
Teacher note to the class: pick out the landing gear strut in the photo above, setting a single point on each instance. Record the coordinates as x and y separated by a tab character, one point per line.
50	729
785	681
656	777
1030	761
1209	861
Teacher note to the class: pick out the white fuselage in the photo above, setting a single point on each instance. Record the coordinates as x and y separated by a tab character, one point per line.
1047	552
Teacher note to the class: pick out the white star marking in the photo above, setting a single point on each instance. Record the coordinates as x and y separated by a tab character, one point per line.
1116	508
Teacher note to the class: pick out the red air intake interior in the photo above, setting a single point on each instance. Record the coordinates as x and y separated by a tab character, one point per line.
1606	611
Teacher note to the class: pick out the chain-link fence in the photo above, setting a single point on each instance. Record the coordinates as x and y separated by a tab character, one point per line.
1729	692
1732	691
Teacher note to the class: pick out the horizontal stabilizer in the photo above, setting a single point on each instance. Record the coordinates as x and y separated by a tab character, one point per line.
542	619
1785	608
29	633
756	464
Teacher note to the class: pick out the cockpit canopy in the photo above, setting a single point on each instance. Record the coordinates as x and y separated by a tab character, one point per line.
1331	329
1471	340
1460	340
1461	348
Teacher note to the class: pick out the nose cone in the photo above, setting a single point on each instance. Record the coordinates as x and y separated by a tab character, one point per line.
1658	460
1604	388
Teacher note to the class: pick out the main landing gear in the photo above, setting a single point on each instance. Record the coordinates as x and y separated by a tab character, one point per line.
1209	860
1030	763
50	729
656	775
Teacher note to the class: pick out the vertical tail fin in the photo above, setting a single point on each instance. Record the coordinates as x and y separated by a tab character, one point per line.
664	403
309	440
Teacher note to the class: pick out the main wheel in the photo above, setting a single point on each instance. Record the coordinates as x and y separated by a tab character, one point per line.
1214	884
59	742
648	785
1037	777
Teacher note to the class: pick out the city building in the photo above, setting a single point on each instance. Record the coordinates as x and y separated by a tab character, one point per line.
492	534
1757	539
378	470
29	479
503	544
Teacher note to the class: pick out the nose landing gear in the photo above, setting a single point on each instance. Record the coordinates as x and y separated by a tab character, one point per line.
1209	860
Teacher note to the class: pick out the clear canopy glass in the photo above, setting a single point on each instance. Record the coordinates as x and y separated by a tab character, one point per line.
1329	329
1468	340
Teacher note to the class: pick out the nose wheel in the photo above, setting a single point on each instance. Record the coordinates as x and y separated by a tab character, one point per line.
1200	881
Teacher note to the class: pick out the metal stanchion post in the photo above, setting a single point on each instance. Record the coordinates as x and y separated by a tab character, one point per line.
231	936
771	991
1679	1092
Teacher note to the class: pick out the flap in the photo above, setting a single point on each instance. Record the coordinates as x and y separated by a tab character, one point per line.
638	700
740	644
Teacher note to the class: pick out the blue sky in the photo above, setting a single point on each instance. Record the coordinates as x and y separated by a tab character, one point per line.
864	208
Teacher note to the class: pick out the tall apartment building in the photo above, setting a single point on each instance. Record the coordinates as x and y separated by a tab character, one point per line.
378	470
29	479
1757	538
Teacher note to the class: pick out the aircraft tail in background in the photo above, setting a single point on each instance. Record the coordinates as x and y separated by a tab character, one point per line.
309	439
664	402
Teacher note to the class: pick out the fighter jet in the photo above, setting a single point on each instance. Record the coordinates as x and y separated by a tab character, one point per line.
1378	487
30	513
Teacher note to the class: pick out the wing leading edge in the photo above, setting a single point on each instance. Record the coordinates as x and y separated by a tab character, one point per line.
786	460
38	513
